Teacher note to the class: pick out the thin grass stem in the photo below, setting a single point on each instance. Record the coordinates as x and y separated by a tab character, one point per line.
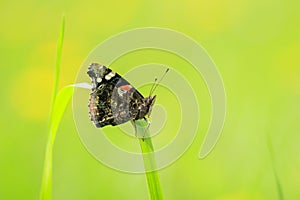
153	182
272	155
55	116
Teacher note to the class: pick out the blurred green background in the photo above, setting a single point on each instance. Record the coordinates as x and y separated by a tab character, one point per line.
255	45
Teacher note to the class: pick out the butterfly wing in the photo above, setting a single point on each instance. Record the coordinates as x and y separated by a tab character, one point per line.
112	100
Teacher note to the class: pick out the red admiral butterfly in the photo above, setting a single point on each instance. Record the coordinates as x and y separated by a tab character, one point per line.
113	100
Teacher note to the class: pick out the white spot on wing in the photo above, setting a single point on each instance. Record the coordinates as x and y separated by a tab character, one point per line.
107	77
112	74
99	80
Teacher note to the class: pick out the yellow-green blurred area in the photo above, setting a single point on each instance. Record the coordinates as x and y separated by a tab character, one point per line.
255	45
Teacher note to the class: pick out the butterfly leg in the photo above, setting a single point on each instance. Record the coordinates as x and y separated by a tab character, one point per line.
135	129
146	129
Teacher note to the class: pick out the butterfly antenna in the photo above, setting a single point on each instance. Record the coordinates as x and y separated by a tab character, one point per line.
156	83
153	86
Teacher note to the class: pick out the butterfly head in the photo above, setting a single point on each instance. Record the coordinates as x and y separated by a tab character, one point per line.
148	104
149	101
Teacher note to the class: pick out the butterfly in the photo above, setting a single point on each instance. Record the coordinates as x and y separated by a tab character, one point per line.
113	100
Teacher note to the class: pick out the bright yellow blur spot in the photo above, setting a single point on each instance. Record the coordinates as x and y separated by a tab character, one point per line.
240	196
31	94
288	68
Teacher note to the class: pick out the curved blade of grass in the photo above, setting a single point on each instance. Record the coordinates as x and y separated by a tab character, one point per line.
58	59
61	102
58	105
153	181
271	151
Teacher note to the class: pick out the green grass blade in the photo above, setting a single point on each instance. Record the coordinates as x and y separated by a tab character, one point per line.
272	155
278	184
57	109
61	102
153	181
58	59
